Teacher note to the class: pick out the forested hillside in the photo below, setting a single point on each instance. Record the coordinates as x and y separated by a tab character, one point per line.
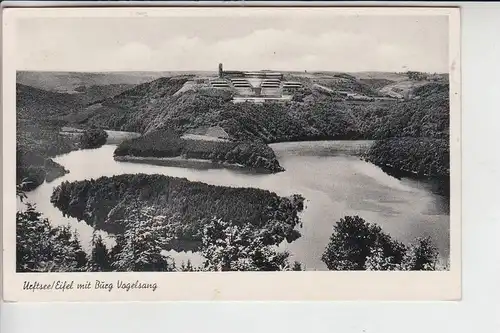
33	103
131	110
35	147
416	138
422	156
92	94
315	115
105	202
155	109
39	117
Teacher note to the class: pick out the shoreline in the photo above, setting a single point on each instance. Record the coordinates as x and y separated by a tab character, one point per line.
181	162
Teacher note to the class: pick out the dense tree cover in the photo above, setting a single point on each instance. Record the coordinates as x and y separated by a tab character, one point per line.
230	247
40	115
33	103
427	116
100	259
415	138
93	138
166	144
42	138
432	88
420	156
98	92
105	202
311	115
146	235
33	168
225	246
43	248
35	145
358	245
37	134
133	109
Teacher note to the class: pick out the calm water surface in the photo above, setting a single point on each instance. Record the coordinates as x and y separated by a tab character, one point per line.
334	181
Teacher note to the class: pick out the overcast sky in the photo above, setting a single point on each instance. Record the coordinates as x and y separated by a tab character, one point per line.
355	43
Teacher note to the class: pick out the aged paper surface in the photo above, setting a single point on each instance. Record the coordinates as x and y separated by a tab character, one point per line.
231	154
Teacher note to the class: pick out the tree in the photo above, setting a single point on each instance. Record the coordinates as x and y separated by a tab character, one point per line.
297	266
93	138
420	256
43	248
377	261
352	242
229	247
188	267
100	257
417	76
358	245
141	245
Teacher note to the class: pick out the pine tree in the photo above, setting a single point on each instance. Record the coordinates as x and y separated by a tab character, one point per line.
420	256
100	258
146	236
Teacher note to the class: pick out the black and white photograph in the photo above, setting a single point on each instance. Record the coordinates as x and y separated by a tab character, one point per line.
233	141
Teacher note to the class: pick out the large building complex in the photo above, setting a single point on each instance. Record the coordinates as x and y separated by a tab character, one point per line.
255	86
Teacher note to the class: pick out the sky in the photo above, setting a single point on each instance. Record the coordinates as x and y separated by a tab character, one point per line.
335	43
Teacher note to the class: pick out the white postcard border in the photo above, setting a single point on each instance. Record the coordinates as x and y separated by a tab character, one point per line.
243	286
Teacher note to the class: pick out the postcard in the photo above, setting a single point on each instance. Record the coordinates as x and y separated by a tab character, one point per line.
231	153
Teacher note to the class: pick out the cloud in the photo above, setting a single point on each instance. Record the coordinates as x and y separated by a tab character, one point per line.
266	48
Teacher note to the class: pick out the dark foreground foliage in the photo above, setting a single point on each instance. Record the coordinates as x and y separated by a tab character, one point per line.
43	248
224	245
229	247
358	245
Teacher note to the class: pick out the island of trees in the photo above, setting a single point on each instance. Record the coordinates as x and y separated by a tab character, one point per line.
160	144
106	202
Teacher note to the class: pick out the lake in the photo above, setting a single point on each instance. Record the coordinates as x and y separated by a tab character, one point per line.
329	174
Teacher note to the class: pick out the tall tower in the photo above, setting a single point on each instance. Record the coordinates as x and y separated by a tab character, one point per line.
221	71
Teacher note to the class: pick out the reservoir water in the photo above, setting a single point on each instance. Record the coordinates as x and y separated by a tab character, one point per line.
329	174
